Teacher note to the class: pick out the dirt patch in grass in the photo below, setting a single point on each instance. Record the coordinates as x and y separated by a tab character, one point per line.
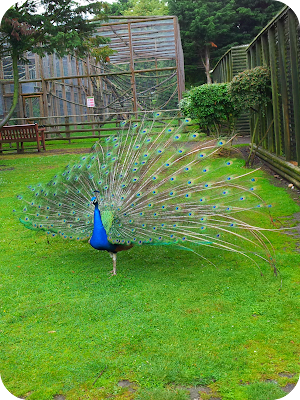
4	168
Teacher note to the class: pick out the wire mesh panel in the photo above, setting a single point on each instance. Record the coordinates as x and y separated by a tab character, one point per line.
145	72
147	63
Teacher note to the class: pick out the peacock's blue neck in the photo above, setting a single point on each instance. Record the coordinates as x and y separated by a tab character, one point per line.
99	238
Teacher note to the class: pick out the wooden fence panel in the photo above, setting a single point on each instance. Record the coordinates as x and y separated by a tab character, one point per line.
293	27
278	47
233	62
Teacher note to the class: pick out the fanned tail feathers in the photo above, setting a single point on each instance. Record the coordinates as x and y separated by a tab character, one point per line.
154	187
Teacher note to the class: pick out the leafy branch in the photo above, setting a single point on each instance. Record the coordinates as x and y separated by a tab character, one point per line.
62	27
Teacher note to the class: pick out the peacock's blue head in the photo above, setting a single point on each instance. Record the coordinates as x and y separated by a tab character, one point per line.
94	199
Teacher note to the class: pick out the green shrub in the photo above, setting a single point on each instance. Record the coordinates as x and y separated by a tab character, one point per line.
251	89
210	105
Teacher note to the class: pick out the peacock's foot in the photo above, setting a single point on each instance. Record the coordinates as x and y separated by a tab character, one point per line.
114	258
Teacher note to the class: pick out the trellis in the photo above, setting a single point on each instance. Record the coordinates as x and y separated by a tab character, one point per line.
145	72
278	46
277	138
233	62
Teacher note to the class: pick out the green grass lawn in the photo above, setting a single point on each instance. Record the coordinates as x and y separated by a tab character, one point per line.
168	322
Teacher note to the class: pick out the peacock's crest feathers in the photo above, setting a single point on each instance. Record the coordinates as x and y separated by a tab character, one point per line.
155	183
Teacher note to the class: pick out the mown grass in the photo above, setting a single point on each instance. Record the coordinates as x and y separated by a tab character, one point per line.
167	322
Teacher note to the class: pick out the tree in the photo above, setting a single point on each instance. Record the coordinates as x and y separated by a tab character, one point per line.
147	7
118	7
252	16
62	27
211	27
204	26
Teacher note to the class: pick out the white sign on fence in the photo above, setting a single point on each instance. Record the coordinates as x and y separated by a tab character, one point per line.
90	102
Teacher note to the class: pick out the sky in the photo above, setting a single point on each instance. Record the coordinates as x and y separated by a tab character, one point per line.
39	7
9	3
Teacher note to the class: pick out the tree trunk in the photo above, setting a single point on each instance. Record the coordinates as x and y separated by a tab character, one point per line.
206	65
16	89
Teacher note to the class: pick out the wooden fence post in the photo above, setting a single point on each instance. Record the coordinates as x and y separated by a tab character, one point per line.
133	83
283	89
274	81
295	78
67	122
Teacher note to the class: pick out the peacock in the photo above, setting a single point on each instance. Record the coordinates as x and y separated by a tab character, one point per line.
154	182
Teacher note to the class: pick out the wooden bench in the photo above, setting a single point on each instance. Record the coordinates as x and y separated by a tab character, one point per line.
22	133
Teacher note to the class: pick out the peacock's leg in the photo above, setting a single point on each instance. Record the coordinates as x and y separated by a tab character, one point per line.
114	258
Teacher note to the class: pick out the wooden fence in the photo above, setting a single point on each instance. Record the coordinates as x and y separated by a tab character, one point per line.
278	137
233	62
94	126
